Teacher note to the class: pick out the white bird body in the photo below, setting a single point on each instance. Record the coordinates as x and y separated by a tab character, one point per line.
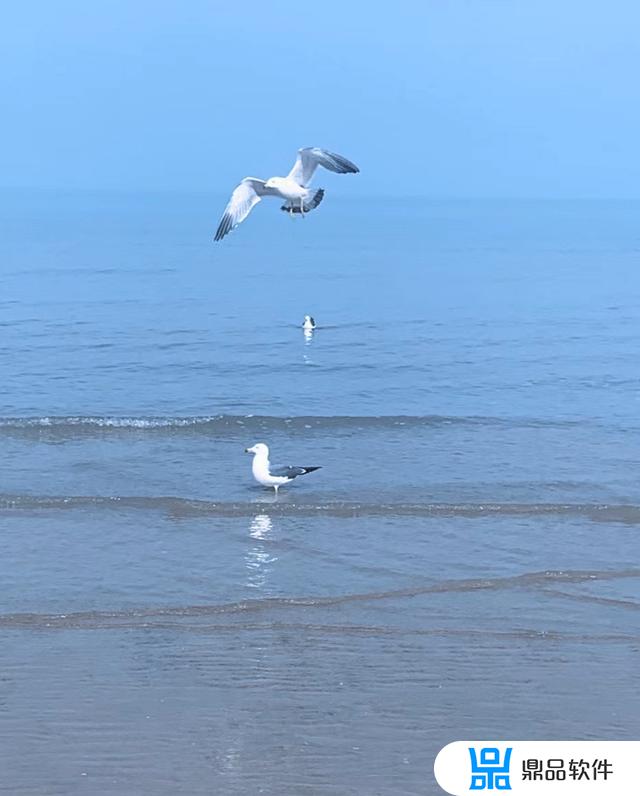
260	470
287	188
309	324
277	477
294	188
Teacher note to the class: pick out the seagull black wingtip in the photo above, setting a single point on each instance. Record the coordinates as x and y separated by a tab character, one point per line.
224	227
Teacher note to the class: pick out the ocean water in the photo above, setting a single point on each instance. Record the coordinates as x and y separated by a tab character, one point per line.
464	565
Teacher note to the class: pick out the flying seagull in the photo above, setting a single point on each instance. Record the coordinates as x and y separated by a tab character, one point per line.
294	188
267	475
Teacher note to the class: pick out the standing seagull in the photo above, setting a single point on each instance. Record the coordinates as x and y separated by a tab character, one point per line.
294	188
273	476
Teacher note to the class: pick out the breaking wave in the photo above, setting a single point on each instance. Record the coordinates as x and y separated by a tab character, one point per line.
163	616
179	506
73	426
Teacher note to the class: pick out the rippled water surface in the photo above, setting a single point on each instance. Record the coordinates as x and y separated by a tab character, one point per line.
465	564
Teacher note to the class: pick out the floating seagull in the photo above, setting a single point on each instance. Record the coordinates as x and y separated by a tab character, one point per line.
309	323
273	476
294	188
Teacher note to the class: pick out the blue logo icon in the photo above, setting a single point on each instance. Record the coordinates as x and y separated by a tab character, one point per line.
488	773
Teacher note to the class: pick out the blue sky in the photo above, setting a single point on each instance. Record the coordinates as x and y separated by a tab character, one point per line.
446	98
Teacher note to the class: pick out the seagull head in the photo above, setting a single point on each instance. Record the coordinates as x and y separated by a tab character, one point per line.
258	449
272	182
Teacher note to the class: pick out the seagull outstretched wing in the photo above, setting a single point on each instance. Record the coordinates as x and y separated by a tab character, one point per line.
311	157
245	196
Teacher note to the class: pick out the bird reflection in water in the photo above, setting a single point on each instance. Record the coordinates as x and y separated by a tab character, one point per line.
258	561
260	526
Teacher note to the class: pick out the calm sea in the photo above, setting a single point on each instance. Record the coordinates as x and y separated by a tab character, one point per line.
464	565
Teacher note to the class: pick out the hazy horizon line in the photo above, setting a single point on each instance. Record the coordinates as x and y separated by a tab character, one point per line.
182	190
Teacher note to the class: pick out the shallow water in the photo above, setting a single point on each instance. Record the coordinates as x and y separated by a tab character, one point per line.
465	564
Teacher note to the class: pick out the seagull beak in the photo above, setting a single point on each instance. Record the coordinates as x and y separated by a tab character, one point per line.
248	450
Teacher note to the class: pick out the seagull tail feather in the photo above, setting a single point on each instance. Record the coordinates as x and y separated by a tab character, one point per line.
311	202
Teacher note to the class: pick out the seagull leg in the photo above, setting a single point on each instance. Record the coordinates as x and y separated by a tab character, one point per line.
302	207
275	486
291	211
